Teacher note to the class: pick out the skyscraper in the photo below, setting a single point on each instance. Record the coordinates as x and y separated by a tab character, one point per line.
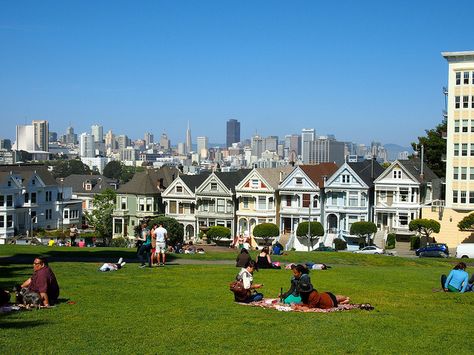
110	140
149	138
307	136
189	146
41	132
97	132
202	146
233	132
165	143
86	145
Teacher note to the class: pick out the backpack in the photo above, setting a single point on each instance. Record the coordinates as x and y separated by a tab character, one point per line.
240	292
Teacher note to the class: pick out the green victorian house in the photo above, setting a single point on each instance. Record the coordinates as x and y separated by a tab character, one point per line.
140	199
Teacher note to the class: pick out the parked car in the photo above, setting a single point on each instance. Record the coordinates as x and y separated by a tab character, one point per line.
324	248
372	249
433	250
465	250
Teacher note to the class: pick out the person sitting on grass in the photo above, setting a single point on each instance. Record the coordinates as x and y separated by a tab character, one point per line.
43	281
292	296
113	267
246	276
277	249
457	280
264	261
242	258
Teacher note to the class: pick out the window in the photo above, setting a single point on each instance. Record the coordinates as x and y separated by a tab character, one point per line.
464	149
229	206
471	196
466	77
33	197
141	204
173	207
472	78
457	102
299	181
205	205
9	221
383	196
74	214
9	183
455	196
455	173
458	78
465	124
33	182
27	197
49	196
213	186
48	214
9	200
306	200
463	196
315	202
363	200
66	214
181	208
2	221
346	179
123	203
456	126
397	174
351	221
212	206
179	189
221	205
463	173
465	101
456	149
2	200
403	194
262	203
192	208
472	150
254	183
403	219
288	200
471	174
245	202
353	198
270	203
149	204
472	101
88	186
472	126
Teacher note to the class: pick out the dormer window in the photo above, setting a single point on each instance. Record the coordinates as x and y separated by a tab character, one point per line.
213	186
179	189
88	186
299	181
254	183
346	178
33	182
397	174
9	183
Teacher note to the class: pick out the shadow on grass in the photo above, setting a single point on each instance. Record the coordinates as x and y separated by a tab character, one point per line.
19	324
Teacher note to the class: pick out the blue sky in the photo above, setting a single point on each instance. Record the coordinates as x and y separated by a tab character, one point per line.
362	70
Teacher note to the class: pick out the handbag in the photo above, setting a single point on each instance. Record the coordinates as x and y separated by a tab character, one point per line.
240	292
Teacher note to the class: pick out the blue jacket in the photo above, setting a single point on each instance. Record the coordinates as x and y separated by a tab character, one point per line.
458	279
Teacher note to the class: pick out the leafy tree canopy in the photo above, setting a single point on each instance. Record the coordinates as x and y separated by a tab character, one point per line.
117	170
266	230
364	230
467	223
434	147
173	227
424	226
64	168
218	232
316	229
101	216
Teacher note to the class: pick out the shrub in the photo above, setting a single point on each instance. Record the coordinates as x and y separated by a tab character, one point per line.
266	231
340	244
414	242
391	240
173	227
119	242
363	230
218	232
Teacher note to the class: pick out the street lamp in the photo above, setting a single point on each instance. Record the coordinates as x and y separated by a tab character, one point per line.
61	180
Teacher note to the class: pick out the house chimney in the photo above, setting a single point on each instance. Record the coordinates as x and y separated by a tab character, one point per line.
281	176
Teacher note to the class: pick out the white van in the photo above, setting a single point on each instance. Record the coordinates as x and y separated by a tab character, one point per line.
465	250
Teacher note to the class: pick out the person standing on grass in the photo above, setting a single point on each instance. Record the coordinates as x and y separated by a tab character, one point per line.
161	236
153	244
457	280
144	250
43	281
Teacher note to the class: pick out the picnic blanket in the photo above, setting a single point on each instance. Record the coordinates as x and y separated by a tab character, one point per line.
273	303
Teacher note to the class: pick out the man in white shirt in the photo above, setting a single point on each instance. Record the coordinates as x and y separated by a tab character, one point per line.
161	235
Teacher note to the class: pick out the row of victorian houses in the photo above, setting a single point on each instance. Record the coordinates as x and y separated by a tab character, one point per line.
335	196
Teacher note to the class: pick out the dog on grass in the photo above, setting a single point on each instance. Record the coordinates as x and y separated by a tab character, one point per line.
26	297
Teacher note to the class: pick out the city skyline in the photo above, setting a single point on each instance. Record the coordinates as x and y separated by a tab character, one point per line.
276	67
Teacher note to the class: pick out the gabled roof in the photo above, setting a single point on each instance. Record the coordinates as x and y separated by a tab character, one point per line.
148	182
99	183
232	179
414	168
274	176
368	170
319	172
194	181
27	172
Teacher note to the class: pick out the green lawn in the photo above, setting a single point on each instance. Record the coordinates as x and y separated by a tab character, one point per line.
188	308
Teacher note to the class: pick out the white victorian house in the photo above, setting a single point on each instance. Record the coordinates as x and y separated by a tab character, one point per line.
300	195
215	200
258	198
400	192
180	202
348	195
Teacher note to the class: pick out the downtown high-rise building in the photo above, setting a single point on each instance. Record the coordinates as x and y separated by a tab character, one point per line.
189	142
233	132
41	132
202	146
149	138
110	140
292	147
86	145
307	137
97	132
34	137
165	142
271	143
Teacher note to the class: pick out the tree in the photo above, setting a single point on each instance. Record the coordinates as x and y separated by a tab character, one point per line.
364	230
467	223
65	168
424	228
266	231
113	170
434	147
218	232
173	227
101	216
315	230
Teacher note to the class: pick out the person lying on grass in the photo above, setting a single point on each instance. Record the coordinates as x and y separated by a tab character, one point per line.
43	281
457	280
113	266
303	295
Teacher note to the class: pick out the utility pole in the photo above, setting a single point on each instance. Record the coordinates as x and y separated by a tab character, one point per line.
309	221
